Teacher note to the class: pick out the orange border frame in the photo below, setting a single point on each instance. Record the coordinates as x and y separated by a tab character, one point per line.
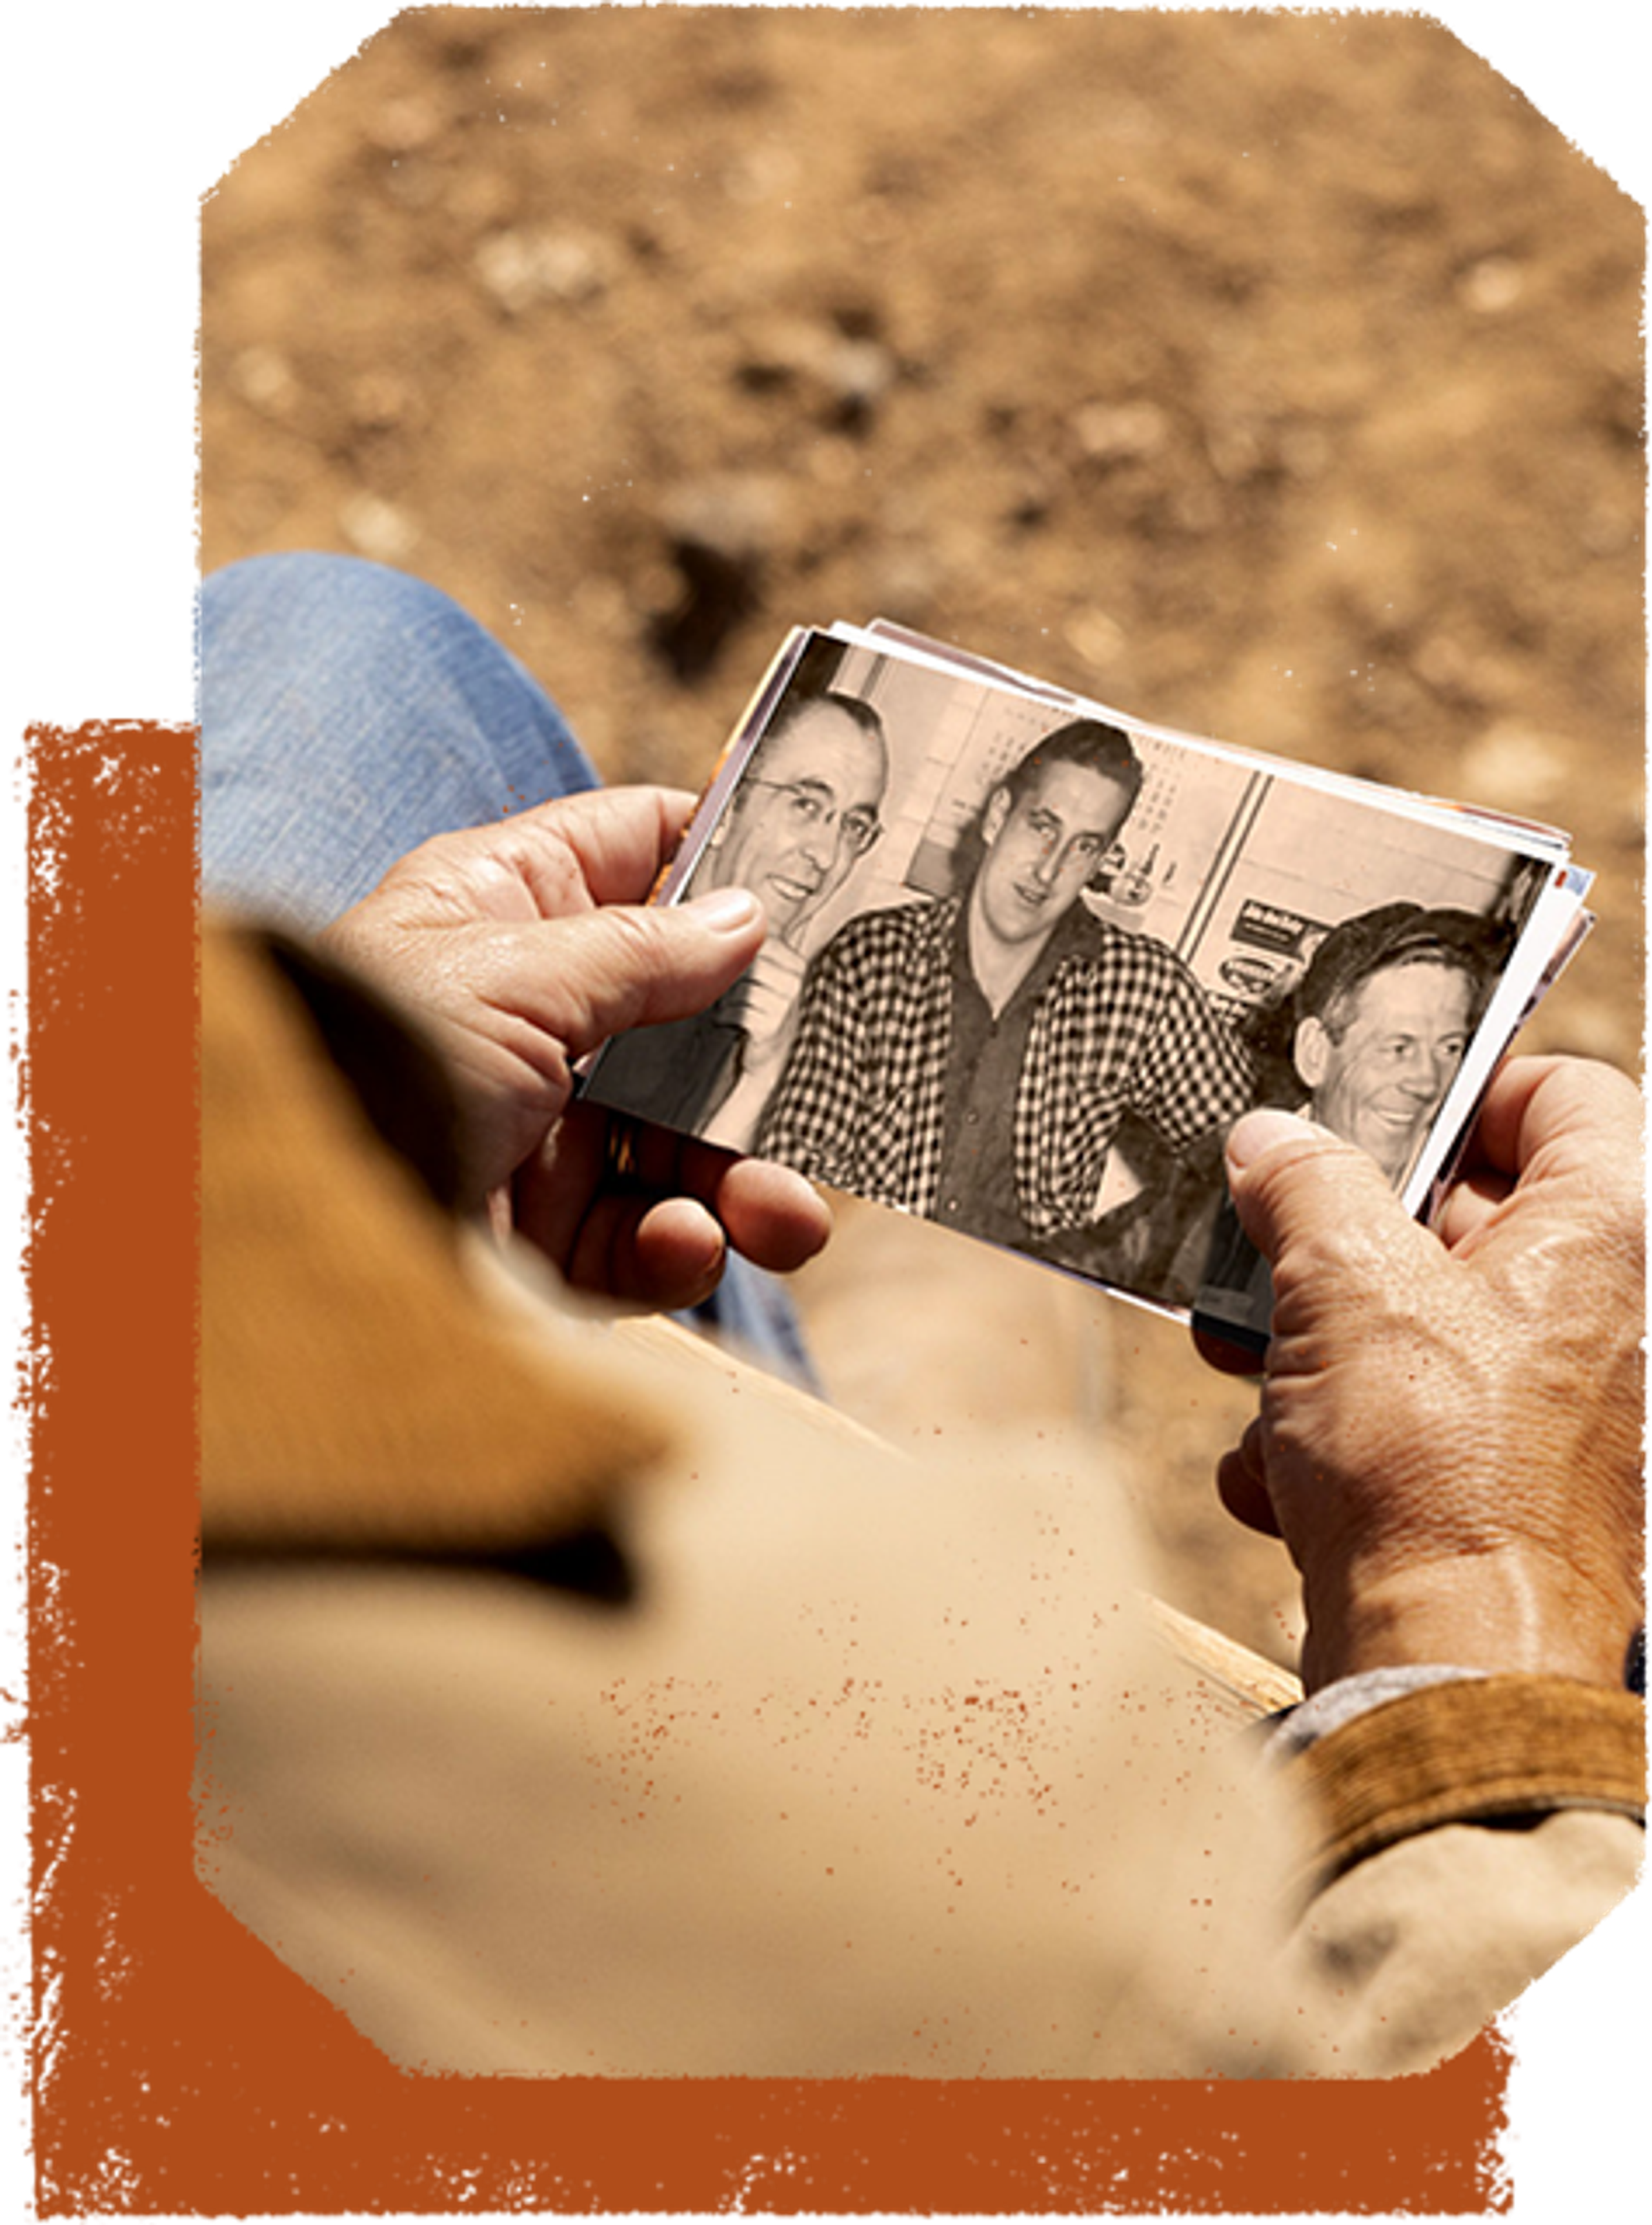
178	2066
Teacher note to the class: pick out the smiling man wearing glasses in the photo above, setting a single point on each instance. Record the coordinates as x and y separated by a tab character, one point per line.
800	818
971	1060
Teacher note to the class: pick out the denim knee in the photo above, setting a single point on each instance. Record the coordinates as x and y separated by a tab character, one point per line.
348	712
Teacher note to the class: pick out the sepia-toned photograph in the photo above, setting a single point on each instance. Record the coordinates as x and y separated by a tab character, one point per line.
1028	961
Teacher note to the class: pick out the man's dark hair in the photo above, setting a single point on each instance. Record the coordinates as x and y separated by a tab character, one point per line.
1369	944
1398	934
1087	742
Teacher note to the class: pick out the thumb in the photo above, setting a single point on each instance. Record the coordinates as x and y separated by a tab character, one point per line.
626	965
1296	1187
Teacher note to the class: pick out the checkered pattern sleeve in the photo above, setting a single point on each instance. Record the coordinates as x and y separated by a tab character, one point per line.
1124	1028
859	1103
1193	1075
814	1116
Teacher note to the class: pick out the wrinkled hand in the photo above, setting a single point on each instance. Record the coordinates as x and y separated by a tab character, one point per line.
1449	1439
523	946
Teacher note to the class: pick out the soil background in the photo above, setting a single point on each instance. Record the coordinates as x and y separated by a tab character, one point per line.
1275	376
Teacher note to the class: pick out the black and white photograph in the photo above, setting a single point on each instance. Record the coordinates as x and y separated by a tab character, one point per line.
1029	960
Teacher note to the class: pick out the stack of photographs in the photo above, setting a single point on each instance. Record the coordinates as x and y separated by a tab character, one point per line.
1029	958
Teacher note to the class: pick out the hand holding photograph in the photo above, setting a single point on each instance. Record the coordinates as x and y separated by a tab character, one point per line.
1029	959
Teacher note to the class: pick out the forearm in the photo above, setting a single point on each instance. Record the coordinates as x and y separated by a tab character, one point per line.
1511	1610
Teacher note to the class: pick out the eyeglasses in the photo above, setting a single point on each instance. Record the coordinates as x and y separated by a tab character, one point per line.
809	807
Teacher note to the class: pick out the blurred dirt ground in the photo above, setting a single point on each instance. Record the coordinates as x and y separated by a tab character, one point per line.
1275	376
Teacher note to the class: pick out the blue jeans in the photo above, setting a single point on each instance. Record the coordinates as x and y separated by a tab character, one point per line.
348	713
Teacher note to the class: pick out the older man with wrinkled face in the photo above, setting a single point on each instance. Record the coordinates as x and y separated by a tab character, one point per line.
1379	1069
1380	1023
1385	1015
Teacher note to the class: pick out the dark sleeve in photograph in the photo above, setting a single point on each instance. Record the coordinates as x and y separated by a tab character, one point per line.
1234	1303
676	1074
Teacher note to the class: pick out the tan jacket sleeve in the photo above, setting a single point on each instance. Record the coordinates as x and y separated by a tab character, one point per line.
1461	1839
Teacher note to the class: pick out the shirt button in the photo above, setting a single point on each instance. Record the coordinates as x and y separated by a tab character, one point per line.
971	1119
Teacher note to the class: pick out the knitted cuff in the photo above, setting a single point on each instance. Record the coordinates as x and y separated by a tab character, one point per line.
1477	1751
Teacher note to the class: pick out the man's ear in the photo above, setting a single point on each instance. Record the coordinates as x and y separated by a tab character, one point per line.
992	819
1310	1051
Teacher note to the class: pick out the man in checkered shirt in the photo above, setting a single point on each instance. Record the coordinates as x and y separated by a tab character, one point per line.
971	1060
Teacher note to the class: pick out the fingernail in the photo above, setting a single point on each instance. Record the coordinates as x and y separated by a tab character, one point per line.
725	911
1259	1130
